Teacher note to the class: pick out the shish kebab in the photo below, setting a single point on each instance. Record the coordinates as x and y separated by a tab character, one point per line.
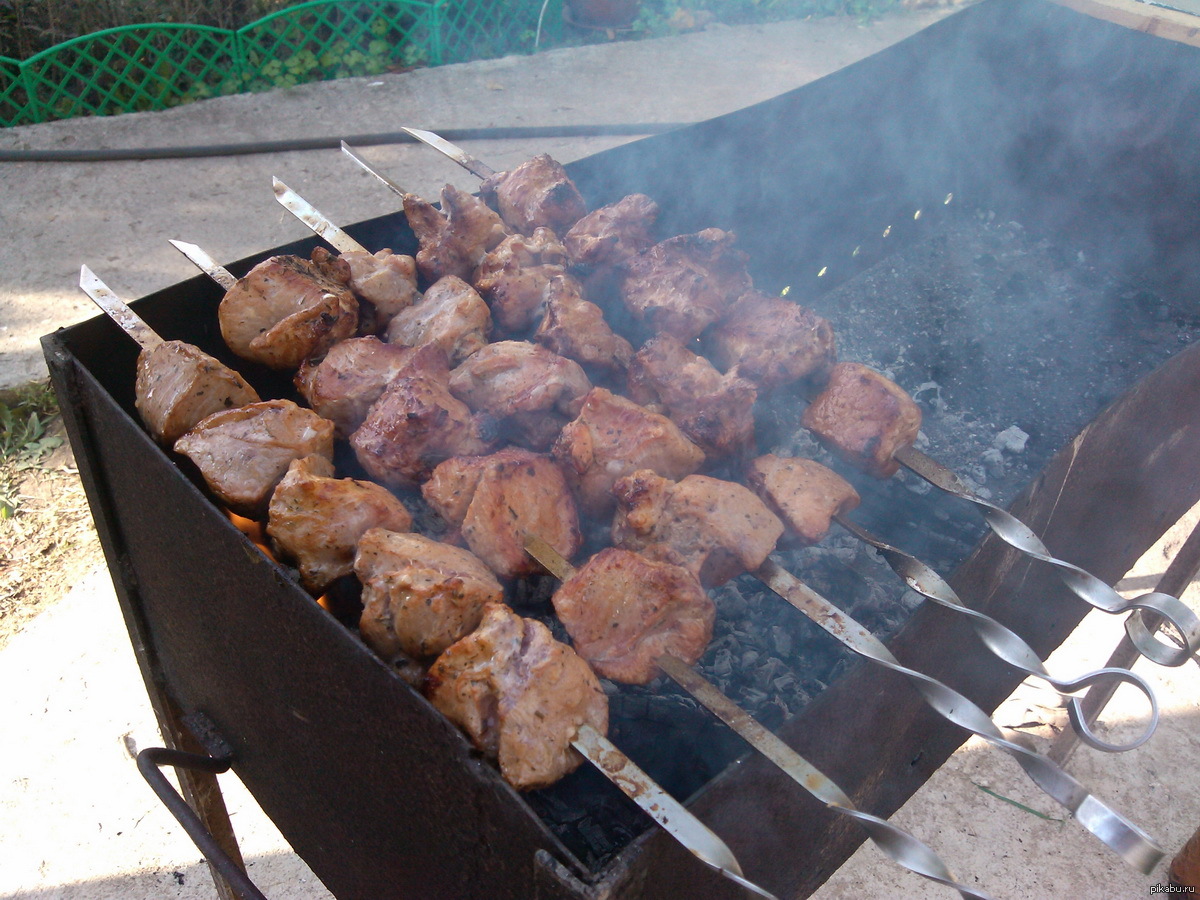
671	815
1155	606
1120	835
903	848
921	578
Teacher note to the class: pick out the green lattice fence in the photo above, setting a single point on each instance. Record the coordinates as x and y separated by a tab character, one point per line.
148	67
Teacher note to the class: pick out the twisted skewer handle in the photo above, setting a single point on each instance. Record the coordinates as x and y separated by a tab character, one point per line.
1086	586
1009	646
1126	839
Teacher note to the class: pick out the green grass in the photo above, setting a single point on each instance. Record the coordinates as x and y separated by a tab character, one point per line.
25	417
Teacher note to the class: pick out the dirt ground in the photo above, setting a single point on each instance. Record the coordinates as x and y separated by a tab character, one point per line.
50	544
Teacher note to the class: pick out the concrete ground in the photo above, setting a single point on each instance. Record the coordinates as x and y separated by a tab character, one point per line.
76	820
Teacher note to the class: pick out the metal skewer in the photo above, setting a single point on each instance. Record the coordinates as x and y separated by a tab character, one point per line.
306	213
668	812
456	153
1132	844
1009	646
131	323
366	167
899	845
206	264
1085	585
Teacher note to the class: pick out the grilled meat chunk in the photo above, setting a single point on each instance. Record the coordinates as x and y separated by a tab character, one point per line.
533	391
342	384
513	278
773	341
317	520
414	425
287	308
178	384
613	436
243	453
864	418
520	695
454	239
419	595
497	500
682	285
624	610
451	315
575	328
612	234
714	410
386	280
718	528
804	493
536	193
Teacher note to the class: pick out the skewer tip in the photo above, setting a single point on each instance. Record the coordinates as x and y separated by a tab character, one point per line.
278	186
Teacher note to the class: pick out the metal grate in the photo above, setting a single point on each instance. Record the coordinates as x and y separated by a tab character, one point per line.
147	67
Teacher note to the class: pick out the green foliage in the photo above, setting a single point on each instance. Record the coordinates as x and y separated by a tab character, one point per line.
25	415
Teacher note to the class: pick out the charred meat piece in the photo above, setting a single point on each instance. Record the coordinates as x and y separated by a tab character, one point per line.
520	696
342	385
415	424
718	528
613	436
287	308
451	315
178	384
454	239
534	391
714	410
683	284
513	278
804	493
773	341
537	193
612	234
864	418
495	501
419	595
624	610
576	328
243	453
386	280
317	520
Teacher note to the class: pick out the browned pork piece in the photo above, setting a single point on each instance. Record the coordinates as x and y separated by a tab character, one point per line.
576	328
287	308
520	695
415	424
454	239
685	283
386	280
864	418
419	595
243	453
532	391
624	610
513	277
719	529
714	410
317	520
611	234
536	193
178	384
614	436
495	501
804	493
342	384
451	315
773	341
